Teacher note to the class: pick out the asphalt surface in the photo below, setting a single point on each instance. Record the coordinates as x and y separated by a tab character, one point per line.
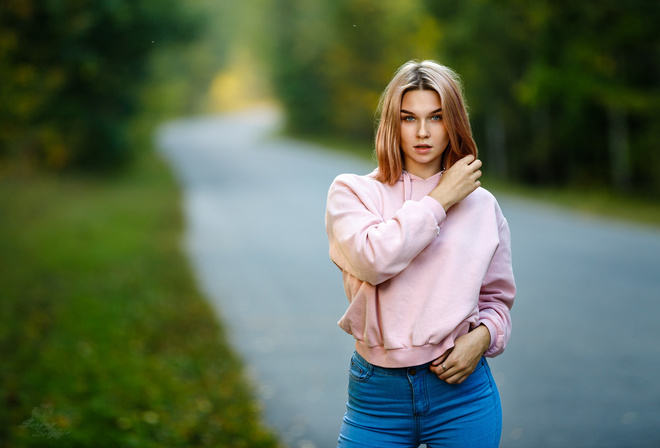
581	367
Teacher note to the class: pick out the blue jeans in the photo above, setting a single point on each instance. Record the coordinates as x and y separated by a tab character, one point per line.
406	407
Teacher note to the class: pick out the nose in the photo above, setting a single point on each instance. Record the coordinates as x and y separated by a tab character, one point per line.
422	130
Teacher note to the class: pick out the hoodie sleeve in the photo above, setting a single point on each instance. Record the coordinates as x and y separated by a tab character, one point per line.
367	246
497	293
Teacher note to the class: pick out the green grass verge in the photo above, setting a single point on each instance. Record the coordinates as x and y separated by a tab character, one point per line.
595	202
104	339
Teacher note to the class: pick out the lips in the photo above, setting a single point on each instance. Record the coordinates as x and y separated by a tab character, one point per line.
422	149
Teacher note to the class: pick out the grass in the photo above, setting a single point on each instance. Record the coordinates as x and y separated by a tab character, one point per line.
595	201
104	339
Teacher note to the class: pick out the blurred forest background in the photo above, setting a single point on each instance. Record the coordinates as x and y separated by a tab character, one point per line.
560	92
96	291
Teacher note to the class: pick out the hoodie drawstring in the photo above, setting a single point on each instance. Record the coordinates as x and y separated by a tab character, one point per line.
407	186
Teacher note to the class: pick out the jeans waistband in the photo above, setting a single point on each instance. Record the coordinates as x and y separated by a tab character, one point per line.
403	371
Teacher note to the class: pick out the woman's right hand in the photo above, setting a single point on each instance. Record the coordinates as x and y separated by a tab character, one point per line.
457	182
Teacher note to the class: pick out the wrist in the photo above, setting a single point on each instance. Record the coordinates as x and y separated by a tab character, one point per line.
483	334
444	203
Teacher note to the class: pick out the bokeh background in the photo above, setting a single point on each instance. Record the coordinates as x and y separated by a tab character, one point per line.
95	291
560	93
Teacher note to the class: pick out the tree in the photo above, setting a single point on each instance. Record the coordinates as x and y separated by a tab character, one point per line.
72	72
330	60
570	89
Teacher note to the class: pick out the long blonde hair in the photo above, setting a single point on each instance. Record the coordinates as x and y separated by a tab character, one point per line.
421	75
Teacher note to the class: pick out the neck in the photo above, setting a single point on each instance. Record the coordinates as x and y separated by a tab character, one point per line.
423	171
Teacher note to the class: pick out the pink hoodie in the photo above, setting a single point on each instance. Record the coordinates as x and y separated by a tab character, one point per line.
415	276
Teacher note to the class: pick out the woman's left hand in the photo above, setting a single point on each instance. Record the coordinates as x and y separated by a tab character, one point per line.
457	363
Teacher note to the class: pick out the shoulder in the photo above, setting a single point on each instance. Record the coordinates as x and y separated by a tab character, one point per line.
483	196
349	190
485	201
356	182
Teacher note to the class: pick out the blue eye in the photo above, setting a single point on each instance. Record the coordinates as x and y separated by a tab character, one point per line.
408	118
436	117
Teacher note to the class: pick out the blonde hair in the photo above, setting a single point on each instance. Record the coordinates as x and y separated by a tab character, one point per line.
421	75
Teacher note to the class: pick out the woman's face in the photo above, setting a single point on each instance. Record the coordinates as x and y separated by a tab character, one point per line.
423	133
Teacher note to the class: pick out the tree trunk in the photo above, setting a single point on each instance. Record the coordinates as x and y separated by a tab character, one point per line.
496	143
620	170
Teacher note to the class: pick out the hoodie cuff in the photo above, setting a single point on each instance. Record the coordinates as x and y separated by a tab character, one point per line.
493	333
435	207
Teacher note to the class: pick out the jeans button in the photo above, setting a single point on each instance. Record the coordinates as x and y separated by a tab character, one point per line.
412	372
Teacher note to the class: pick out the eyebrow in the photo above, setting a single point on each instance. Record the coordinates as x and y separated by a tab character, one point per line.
403	111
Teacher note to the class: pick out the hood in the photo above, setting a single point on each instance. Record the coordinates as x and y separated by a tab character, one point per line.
408	179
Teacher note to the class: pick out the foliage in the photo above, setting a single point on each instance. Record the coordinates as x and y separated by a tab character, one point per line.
105	340
73	72
330	60
572	86
560	92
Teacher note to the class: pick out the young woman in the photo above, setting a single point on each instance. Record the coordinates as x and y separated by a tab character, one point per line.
426	263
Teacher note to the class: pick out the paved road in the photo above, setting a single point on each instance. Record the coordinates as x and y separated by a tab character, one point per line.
581	368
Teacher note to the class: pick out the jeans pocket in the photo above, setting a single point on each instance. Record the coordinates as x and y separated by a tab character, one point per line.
480	365
359	371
